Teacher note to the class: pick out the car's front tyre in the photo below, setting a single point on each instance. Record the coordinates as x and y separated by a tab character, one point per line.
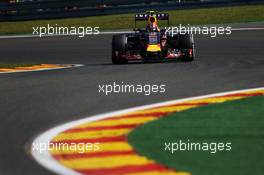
118	47
187	45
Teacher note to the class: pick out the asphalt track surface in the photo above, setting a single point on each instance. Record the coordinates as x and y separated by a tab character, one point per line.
33	102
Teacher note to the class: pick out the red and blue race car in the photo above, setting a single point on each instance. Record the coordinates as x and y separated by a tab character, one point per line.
152	43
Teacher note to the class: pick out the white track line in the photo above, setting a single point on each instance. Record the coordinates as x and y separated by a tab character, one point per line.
111	32
44	69
46	160
248	29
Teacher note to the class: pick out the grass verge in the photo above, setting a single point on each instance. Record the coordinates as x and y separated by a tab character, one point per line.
219	15
239	122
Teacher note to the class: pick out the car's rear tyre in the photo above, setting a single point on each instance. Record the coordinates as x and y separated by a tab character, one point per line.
187	46
118	46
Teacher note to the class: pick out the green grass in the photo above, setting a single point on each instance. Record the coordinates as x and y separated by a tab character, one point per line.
11	66
239	122
220	15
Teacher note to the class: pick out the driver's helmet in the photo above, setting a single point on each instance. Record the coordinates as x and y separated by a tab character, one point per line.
152	25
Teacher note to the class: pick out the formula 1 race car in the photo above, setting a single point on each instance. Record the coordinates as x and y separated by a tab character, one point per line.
152	43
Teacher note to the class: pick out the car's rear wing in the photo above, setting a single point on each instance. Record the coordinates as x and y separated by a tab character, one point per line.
145	16
157	15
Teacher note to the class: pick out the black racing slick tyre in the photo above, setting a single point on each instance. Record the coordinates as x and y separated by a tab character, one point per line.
187	45
118	46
